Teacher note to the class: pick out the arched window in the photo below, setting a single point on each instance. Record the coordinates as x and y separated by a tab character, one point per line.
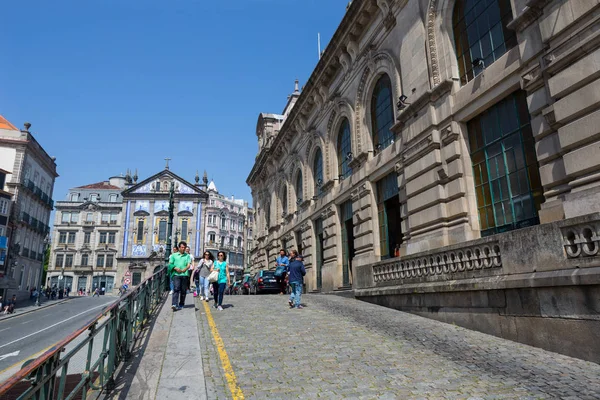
318	172
299	187
344	149
284	201
382	114
480	34
267	215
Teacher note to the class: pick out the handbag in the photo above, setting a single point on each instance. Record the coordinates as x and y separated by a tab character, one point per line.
213	277
279	271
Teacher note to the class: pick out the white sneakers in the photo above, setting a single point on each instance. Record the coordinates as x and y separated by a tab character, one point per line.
220	308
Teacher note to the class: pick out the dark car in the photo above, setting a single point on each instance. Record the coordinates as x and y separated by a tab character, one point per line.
246	284
264	282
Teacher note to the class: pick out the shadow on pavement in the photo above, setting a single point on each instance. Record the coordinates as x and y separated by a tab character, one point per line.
125	376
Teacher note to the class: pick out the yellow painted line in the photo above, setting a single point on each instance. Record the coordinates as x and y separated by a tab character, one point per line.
236	392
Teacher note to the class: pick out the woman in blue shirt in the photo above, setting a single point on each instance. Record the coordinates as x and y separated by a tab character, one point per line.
219	286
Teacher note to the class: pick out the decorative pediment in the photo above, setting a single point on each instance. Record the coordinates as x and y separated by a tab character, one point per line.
186	208
161	183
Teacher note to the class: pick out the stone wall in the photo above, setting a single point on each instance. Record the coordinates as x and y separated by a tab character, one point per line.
538	285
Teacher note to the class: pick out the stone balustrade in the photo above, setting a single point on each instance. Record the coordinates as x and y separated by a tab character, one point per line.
442	263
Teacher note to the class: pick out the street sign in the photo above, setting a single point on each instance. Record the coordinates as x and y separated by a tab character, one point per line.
127	281
125	287
127	273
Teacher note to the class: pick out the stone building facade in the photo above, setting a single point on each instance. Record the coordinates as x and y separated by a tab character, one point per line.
145	211
31	184
5	205
429	132
225	227
86	237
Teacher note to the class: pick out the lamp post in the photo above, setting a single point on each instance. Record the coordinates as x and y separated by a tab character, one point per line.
170	223
39	288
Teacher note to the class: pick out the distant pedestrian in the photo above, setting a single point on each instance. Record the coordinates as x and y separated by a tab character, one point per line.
191	269
201	275
9	308
174	251
281	265
223	281
96	292
179	263
296	277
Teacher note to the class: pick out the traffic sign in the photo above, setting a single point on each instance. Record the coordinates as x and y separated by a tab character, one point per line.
127	281
127	273
125	287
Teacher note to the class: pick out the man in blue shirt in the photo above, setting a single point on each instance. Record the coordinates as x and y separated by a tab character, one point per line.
282	261
297	272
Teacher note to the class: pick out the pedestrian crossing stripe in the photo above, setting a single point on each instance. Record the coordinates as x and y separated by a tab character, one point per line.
236	391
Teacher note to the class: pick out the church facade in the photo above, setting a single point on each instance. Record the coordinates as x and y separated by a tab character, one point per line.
145	215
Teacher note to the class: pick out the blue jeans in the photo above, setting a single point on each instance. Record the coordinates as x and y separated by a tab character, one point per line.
179	291
171	283
218	292
296	293
202	287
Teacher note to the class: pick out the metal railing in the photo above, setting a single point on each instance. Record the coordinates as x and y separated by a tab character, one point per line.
116	326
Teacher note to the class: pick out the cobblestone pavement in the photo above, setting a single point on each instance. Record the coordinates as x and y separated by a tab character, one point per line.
340	348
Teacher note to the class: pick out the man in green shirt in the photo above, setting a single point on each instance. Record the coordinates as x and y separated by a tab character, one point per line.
179	263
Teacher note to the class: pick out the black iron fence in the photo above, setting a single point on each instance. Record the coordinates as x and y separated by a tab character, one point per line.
89	358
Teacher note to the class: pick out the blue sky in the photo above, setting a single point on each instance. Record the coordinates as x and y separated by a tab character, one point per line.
115	84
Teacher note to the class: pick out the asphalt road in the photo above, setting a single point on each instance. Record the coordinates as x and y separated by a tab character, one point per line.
29	335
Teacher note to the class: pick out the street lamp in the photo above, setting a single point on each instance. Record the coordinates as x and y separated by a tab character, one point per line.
39	289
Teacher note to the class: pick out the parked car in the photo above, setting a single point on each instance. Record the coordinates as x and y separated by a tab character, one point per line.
246	283
264	282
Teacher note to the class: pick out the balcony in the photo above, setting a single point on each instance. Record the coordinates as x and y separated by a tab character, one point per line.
89	223
38	192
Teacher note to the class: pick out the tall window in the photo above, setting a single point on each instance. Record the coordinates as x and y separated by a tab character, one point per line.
318	172
507	179
184	229
299	187
284	201
112	237
100	260
223	222
84	259
344	148
480	34
388	215
211	237
109	260
162	230
71	239
268	215
382	113
102	238
136	278
59	260
68	260
86	237
139	238
239	241
62	237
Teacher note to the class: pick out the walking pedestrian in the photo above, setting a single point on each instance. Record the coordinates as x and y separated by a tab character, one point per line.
201	275
174	251
281	265
219	286
191	270
96	293
179	263
296	275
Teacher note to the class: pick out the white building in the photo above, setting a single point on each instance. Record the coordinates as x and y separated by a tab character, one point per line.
31	184
226	226
86	236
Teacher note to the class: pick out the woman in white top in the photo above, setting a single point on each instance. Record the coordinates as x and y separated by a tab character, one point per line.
201	275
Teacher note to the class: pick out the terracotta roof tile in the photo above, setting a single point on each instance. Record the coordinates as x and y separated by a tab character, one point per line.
4	124
99	185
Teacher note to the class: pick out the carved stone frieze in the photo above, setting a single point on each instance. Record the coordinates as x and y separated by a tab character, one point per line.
581	241
433	56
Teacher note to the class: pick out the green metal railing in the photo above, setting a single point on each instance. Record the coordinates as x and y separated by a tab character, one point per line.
116	326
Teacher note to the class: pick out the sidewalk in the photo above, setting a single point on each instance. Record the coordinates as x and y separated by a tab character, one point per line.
25	307
167	361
